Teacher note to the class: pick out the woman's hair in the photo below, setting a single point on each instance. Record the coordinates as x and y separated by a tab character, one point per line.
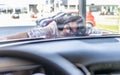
73	18
60	22
64	20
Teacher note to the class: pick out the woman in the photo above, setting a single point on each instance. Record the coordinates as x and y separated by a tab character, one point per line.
62	27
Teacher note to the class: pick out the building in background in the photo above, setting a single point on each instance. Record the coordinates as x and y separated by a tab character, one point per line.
39	7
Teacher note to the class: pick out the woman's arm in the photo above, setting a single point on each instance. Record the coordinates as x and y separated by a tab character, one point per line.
93	31
43	32
16	36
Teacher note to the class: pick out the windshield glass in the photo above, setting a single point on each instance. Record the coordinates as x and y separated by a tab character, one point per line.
58	18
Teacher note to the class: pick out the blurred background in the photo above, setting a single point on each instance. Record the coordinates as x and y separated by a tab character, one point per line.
102	14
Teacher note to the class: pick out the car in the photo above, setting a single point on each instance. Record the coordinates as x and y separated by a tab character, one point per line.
76	55
15	16
90	19
34	16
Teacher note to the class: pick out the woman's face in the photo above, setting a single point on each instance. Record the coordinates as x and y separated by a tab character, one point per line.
69	29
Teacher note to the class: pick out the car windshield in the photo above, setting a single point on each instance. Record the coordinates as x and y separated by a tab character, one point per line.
58	18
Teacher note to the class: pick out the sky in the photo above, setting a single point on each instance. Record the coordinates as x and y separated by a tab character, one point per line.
20	1
100	2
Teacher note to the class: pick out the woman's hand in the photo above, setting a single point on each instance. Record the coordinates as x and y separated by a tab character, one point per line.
3	38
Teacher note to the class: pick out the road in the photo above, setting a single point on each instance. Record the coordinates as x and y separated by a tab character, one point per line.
107	20
7	20
25	20
105	32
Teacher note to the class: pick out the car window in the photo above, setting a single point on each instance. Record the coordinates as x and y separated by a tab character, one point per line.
95	17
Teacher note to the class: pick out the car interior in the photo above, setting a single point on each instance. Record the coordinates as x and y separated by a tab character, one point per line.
81	55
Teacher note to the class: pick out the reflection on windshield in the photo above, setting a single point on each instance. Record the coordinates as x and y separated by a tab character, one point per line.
60	18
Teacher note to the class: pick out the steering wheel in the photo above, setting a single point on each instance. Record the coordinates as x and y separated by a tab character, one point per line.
52	60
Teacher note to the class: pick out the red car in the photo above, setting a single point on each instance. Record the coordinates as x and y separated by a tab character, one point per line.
90	20
34	16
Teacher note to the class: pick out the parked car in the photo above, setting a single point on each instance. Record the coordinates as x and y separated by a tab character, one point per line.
15	16
90	19
33	16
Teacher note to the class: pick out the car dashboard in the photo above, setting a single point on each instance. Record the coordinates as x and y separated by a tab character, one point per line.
90	56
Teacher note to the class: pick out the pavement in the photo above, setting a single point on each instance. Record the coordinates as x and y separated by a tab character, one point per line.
24	20
105	32
107	20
